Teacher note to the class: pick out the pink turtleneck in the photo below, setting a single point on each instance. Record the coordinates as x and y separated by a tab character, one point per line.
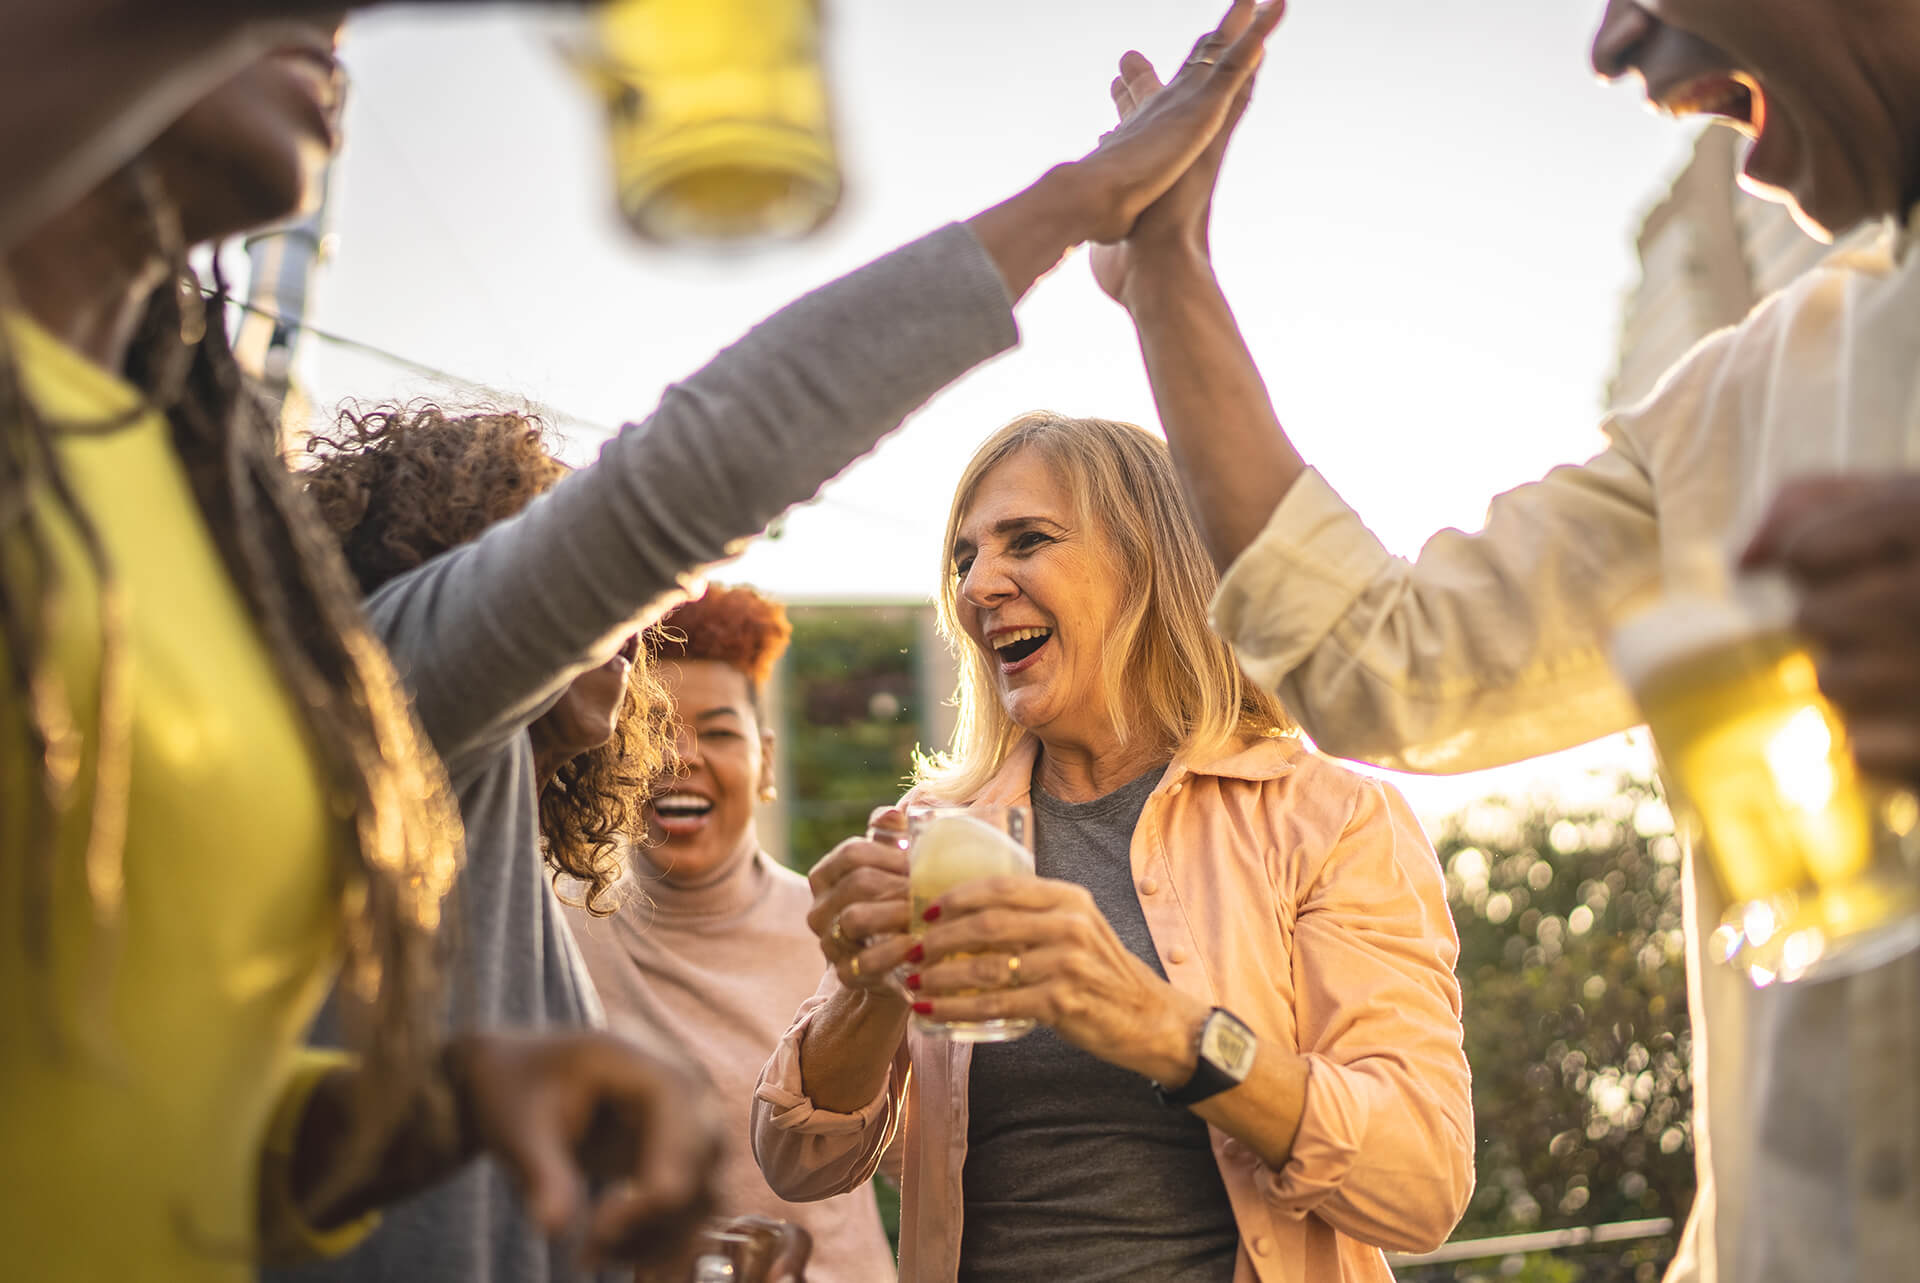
720	967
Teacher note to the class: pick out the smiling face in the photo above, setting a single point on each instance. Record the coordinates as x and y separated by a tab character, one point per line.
1826	88
1038	593
701	816
251	152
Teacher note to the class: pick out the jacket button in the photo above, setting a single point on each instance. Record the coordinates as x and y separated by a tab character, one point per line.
1176	956
1177	786
1148	886
1262	1245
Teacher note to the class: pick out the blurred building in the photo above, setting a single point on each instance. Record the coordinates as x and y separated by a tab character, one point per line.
1708	253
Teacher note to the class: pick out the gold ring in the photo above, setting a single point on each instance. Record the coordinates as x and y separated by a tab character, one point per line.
839	935
854	966
1013	969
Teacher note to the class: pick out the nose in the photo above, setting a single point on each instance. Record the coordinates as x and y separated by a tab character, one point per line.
986	583
686	748
1624	28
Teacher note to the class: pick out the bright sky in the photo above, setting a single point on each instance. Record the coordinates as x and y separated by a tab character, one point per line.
1425	225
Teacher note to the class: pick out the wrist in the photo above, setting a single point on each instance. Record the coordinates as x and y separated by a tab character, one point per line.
1170	1052
1163	273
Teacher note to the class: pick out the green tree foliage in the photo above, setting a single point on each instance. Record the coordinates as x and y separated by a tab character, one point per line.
1574	980
852	719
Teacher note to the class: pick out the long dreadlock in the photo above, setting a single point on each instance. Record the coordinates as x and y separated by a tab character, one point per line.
384	781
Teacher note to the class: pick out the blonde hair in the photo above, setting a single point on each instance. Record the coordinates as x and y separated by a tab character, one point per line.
1168	674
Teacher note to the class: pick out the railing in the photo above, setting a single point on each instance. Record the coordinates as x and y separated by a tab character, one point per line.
1544	1241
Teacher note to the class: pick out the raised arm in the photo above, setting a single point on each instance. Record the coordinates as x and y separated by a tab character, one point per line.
1485	649
1234	459
487	634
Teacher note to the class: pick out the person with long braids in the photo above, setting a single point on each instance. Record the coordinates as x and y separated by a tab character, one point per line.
212	795
197	720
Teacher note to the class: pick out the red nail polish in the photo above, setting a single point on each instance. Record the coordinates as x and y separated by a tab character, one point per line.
913	981
923	1008
932	914
916	953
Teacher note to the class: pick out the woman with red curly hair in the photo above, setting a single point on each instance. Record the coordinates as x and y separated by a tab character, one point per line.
710	946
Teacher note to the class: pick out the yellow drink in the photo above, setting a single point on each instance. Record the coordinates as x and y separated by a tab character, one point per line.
720	123
952	846
1759	762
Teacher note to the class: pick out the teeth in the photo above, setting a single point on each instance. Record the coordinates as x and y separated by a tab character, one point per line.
682	804
1005	640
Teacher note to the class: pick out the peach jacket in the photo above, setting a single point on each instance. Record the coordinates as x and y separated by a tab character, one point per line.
1305	899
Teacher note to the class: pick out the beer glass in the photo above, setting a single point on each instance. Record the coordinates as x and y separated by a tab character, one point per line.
950	845
718	114
1809	853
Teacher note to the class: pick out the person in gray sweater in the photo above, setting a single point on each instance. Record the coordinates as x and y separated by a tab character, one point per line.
490	634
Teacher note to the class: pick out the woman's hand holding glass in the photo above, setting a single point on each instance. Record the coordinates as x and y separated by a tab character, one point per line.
860	905
1040	949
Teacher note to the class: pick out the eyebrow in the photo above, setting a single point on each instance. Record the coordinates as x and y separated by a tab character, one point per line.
1011	525
707	714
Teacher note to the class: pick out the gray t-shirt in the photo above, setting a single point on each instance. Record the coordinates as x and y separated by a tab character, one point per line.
1075	1172
488	635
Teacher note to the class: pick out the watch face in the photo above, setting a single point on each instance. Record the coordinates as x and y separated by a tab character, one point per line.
1229	1044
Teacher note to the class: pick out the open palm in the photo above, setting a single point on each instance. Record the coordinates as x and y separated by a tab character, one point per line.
1178	219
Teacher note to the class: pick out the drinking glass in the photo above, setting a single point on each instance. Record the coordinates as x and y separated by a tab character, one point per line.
1811	854
950	845
718	109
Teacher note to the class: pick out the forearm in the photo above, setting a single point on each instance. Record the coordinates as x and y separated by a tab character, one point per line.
421	1153
847	1050
1262	1113
1235	461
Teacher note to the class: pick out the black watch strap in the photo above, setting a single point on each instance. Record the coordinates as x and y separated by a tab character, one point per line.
1224	1052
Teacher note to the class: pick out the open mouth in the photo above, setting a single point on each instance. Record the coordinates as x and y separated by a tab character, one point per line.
1729	96
681	813
1018	645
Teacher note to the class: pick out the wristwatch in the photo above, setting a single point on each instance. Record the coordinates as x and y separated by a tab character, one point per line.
1225	1049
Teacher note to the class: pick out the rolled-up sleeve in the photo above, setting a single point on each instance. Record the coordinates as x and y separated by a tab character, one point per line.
807	1153
1384	1150
1484	649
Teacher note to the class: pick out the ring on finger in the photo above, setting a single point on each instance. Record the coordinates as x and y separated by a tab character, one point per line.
839	934
854	966
1013	970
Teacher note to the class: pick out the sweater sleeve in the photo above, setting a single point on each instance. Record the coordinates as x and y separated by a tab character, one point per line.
488	634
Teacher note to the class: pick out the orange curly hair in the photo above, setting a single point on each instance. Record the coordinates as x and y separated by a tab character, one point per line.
735	625
401	484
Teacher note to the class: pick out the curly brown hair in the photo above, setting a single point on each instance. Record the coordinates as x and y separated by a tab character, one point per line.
733	624
401	484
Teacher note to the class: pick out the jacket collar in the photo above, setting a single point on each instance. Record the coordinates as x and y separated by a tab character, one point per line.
1254	759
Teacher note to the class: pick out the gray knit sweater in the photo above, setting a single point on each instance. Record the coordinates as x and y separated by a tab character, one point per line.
489	634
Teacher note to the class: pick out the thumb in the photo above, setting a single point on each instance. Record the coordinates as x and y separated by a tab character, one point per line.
538	1156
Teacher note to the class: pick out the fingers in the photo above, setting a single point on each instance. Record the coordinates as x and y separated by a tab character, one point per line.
1137	82
536	1149
872	967
1820	527
998	969
663	1183
1030	894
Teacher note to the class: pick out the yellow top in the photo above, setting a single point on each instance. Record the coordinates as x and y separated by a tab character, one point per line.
130	1142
